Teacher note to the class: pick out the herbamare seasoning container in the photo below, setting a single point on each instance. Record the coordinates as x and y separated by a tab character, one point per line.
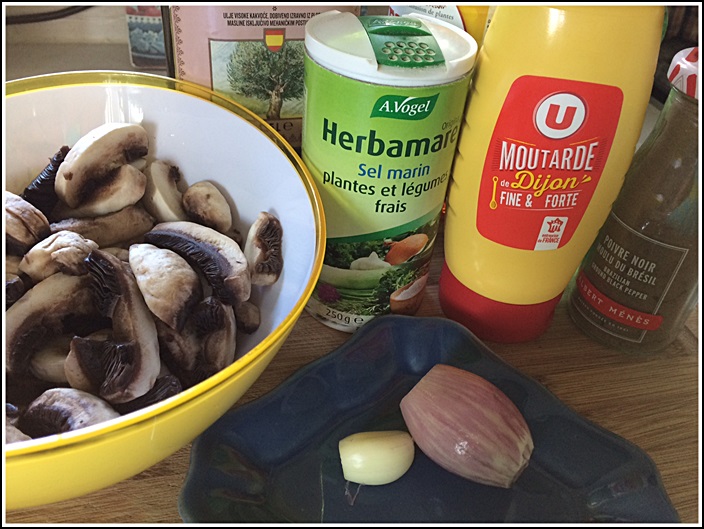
250	53
384	98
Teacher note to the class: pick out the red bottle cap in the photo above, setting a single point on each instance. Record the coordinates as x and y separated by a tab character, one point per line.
684	72
492	320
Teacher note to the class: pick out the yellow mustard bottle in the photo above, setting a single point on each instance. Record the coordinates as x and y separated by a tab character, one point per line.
553	117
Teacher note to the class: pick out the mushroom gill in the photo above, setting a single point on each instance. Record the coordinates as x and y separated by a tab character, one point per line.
263	249
204	346
135	363
217	256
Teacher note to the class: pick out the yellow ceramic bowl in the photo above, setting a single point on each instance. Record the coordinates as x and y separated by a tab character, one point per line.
209	138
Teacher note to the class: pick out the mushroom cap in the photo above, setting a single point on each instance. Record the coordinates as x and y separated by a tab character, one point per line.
169	285
89	164
121	187
205	204
248	317
63	251
25	225
112	229
60	410
162	196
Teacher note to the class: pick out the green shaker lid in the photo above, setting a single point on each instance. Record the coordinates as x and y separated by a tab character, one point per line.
402	42
413	50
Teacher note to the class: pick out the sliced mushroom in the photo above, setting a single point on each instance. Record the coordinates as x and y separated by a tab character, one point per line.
92	160
12	414
165	386
128	224
15	435
41	192
206	205
48	362
12	264
205	346
60	410
217	256
236	236
90	357
215	324
134	369
12	433
120	188
169	285
162	196
248	317
84	367
123	254
42	312
16	282
25	225
179	350
140	163
63	251
15	287
263	249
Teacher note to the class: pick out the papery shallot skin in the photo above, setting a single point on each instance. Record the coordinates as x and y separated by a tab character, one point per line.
468	426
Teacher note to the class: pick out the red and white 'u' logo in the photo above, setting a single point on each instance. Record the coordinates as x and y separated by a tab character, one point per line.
560	116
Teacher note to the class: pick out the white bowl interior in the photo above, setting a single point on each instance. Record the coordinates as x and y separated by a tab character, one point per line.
206	141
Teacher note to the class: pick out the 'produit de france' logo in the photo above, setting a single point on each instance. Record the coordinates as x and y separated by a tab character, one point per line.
560	115
555	225
403	107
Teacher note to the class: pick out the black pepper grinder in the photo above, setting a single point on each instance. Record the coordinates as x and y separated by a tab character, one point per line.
639	281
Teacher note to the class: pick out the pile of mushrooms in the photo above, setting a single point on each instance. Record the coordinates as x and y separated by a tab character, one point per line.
124	285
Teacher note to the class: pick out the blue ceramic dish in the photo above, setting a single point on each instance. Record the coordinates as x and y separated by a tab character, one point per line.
276	459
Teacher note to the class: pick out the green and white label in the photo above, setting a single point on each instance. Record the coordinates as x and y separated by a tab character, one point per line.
381	157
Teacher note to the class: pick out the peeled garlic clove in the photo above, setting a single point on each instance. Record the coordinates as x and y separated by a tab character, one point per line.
468	426
376	458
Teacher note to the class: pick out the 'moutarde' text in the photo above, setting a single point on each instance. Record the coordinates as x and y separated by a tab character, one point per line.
518	157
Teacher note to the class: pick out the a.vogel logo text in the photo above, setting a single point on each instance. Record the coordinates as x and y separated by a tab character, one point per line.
401	107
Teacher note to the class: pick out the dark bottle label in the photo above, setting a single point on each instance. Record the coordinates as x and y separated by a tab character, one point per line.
624	284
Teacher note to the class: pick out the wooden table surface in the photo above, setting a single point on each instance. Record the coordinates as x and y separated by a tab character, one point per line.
652	401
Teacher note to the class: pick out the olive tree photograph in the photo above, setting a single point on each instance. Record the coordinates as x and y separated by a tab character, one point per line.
267	82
